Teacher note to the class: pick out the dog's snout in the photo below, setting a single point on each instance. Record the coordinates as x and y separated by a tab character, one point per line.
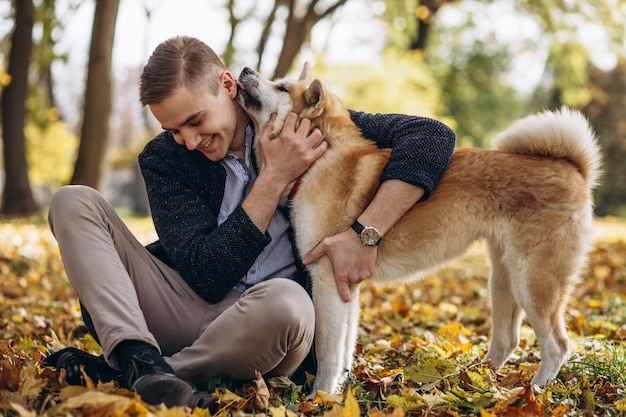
246	71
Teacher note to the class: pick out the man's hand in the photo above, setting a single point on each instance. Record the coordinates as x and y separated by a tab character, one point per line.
283	159
352	261
291	153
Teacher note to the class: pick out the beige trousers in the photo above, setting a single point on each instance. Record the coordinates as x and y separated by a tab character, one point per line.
131	295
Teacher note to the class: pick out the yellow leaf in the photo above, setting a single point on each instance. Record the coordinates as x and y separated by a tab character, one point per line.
71	391
559	411
281	411
408	403
325	398
90	343
397	412
201	412
23	412
228	397
620	405
485	413
351	406
336	411
481	378
96	399
31	385
278	411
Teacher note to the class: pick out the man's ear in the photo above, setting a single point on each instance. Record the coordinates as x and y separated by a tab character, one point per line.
228	82
315	99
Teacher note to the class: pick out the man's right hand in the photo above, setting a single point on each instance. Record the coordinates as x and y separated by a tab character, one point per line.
283	159
287	156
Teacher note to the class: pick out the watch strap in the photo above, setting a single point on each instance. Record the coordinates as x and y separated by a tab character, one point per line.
357	227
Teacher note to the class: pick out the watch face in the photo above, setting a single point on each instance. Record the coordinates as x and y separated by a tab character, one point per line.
370	236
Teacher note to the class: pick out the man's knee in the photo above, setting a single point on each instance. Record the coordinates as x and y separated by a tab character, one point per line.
69	200
288	302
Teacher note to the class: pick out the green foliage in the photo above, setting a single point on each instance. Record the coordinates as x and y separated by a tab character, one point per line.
51	149
398	83
569	62
402	22
473	87
603	359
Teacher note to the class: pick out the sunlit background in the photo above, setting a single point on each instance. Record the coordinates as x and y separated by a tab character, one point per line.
476	65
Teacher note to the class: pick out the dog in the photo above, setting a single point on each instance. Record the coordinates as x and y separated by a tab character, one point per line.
530	198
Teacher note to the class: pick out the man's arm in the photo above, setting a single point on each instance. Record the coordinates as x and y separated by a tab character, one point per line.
352	261
421	150
212	257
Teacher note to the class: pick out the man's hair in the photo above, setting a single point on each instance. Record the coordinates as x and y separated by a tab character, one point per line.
181	61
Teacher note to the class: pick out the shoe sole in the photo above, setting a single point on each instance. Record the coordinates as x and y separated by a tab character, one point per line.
164	388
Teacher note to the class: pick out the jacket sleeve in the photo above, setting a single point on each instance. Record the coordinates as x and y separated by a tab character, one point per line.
421	147
184	208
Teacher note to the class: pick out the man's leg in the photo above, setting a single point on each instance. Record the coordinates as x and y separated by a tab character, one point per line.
269	329
136	303
131	295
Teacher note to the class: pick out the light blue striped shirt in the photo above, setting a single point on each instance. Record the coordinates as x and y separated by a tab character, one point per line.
277	259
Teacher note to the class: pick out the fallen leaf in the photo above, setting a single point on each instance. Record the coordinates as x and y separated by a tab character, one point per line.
23	412
261	395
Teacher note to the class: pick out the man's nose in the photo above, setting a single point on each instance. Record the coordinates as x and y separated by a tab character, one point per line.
192	139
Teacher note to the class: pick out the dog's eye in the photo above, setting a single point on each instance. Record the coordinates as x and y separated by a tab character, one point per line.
282	88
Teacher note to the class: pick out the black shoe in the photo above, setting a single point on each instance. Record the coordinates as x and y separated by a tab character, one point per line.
147	373
137	359
164	388
95	367
173	391
203	399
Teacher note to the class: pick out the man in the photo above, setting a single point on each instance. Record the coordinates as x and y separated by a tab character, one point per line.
221	292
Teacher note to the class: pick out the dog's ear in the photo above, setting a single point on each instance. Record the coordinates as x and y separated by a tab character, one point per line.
315	99
305	75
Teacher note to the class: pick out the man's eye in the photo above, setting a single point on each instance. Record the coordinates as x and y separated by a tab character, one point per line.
282	88
196	123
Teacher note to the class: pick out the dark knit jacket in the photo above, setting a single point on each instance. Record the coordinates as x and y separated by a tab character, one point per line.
185	190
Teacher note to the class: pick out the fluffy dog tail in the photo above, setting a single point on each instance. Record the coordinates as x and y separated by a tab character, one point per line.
564	134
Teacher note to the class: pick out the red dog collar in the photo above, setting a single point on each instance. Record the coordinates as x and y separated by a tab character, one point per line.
295	187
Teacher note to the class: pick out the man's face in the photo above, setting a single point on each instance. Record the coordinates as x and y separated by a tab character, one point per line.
202	121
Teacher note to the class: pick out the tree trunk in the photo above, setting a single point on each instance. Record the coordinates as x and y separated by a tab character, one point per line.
424	16
606	114
298	29
98	97
17	198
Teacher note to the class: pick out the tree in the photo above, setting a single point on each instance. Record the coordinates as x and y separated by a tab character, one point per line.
411	22
299	19
98	97
17	198
606	113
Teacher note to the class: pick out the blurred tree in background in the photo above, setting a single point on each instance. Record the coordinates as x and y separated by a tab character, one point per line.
606	110
475	64
17	198
95	128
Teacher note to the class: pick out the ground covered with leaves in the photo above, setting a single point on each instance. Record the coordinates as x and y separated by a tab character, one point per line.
419	351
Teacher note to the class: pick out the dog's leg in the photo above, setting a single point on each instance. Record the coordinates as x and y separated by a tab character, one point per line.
331	327
544	310
352	330
505	310
543	288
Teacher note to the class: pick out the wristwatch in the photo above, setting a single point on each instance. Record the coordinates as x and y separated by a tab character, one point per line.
369	235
